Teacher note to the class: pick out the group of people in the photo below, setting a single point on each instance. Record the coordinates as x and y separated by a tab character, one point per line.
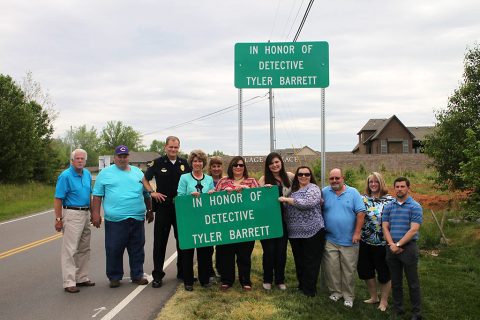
336	227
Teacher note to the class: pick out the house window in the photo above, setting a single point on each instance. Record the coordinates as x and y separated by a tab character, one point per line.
405	146
383	146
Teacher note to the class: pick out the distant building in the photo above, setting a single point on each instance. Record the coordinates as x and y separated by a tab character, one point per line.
304	151
137	159
384	136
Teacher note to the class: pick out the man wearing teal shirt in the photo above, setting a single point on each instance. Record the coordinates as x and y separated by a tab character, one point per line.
71	206
124	204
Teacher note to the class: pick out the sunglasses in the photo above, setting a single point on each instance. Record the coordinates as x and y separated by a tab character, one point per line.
241	165
304	174
334	178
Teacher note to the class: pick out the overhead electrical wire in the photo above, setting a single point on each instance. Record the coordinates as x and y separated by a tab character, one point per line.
209	115
303	20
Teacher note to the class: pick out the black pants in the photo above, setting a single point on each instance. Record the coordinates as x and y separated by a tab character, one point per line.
164	219
274	259
307	253
398	263
204	265
226	255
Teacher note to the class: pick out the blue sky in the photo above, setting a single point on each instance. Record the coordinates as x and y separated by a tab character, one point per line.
156	64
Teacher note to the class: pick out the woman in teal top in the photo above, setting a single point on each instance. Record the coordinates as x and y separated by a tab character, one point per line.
195	183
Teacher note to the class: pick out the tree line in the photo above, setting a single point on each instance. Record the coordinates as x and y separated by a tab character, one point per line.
28	151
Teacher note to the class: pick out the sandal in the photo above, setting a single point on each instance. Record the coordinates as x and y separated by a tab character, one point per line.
247	287
224	287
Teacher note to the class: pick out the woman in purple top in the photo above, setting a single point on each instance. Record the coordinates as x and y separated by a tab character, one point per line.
306	229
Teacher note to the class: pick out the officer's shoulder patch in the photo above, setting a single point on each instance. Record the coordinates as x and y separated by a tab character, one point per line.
150	163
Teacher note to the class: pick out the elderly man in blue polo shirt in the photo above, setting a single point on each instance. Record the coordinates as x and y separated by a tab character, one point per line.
71	206
344	215
126	203
401	220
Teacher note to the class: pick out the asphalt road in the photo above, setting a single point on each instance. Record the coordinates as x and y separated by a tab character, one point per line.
31	278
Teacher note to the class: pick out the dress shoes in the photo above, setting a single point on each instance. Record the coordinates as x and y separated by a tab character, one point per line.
114	283
141	281
157	283
86	284
188	288
72	289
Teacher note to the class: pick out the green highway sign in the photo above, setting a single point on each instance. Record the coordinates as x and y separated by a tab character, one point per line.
228	217
282	65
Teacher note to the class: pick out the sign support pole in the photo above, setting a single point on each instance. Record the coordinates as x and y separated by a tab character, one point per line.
240	123
272	120
322	159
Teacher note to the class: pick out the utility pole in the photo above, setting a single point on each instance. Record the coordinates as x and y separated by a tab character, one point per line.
272	121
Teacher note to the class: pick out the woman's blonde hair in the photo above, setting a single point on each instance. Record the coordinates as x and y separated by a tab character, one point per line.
382	186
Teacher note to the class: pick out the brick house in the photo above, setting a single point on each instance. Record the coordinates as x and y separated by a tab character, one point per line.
384	136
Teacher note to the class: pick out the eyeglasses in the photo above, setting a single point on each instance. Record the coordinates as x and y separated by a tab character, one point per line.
304	174
334	178
241	165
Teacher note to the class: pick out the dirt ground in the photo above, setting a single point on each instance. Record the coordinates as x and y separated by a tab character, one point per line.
436	201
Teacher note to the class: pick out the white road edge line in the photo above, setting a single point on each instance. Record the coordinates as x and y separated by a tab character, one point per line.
27	217
134	293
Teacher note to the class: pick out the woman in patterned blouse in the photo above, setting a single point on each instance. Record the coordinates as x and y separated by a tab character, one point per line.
306	228
236	180
371	257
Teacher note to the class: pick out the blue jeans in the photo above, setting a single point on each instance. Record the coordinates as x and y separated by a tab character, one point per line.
129	234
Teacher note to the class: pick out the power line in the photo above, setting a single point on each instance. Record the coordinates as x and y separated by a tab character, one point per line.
206	116
303	20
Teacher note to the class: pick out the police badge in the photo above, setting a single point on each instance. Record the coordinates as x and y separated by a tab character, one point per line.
182	167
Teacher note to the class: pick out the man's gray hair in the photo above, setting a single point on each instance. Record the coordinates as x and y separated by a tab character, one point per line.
72	155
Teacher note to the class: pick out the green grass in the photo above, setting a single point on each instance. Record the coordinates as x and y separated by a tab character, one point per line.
21	199
449	279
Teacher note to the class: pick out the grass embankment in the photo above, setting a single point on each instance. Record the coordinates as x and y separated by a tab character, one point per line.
449	278
449	275
21	199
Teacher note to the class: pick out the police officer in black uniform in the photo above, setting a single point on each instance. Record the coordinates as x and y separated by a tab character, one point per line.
167	171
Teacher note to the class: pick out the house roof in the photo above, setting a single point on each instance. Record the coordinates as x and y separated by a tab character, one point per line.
421	132
378	125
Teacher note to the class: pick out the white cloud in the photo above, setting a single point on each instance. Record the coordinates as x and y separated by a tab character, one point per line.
154	65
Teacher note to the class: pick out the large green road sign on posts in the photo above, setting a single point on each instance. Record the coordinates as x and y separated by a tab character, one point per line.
281	65
223	217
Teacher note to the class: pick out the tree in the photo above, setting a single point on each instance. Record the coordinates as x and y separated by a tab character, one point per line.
25	136
158	147
218	153
116	133
457	132
87	139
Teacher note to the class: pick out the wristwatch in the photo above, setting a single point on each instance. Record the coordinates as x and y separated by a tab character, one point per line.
58	219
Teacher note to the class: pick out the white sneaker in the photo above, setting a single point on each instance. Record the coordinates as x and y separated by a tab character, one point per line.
335	297
282	286
267	286
348	303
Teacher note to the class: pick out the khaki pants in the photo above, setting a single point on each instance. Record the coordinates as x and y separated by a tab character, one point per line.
75	247
340	265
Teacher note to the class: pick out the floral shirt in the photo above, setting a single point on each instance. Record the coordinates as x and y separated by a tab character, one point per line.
372	229
227	184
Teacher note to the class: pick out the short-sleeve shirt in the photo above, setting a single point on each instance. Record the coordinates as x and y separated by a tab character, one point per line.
400	216
167	175
372	228
123	193
340	214
74	189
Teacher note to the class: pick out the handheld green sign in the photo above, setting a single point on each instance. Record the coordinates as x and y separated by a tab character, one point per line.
228	217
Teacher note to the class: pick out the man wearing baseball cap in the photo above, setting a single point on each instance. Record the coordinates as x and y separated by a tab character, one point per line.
126	204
